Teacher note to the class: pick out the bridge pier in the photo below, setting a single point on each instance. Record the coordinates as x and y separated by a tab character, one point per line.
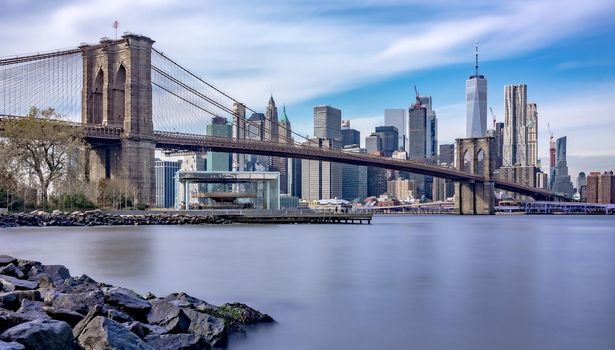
117	92
473	156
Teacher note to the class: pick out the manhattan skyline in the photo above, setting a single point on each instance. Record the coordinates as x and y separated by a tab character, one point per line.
363	57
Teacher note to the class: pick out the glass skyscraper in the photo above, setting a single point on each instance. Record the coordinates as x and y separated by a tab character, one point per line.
476	104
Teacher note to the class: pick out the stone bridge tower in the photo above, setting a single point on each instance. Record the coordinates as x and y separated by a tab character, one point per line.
474	156
117	92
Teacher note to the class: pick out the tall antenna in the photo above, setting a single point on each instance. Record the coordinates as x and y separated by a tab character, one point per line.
476	58
116	24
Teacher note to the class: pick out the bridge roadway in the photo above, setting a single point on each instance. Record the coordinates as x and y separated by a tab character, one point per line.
178	142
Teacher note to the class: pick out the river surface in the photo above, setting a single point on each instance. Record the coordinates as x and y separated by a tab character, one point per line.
404	282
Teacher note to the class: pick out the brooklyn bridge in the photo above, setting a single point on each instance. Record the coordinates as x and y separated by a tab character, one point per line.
131	99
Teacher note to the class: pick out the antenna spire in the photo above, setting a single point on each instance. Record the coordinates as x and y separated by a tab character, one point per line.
476	58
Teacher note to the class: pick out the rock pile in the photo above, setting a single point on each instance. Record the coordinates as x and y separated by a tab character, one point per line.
99	218
43	307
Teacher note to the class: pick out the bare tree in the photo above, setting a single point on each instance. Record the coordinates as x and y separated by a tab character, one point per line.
43	144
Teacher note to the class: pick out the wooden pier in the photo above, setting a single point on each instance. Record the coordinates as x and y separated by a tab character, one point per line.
280	217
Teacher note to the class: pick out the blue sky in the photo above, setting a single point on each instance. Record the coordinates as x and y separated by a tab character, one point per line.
364	55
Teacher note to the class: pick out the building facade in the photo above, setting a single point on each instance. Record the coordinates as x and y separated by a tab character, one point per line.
476	104
350	137
532	134
320	179
562	182
398	119
389	137
165	182
327	123
515	149
219	161
354	179
601	187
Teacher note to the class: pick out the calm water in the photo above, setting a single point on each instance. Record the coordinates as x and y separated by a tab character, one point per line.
418	282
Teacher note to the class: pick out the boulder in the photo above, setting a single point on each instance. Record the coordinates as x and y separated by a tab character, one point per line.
12	270
185	300
11	346
211	328
149	296
241	313
127	300
118	315
5	260
169	316
55	272
78	302
10	284
70	317
41	335
10	319
177	342
96	310
102	333
33	310
137	328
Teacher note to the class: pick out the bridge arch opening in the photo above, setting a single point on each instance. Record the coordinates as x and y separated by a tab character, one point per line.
97	98
480	162
467	162
119	97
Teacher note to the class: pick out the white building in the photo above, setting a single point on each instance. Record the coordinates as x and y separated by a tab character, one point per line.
515	125
476	104
398	119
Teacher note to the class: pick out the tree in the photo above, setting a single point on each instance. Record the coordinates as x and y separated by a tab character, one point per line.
44	144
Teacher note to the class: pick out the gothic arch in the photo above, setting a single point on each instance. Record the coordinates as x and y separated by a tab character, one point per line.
480	162
119	97
97	98
467	161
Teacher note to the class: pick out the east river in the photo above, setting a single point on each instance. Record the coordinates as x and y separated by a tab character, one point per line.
404	282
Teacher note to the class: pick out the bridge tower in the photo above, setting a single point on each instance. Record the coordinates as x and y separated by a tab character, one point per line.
117	92
474	156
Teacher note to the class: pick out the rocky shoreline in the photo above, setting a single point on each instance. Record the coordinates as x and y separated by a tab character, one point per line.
43	307
100	218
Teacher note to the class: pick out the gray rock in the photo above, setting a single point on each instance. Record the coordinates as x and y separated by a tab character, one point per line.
96	310
12	270
70	317
78	302
5	260
118	315
241	313
10	319
177	342
55	272
127	300
10	284
185	300
137	328
11	346
102	333
41	335
211	328
33	310
44	281
149	296
169	316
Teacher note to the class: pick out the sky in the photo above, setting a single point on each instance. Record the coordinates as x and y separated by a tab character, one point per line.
363	56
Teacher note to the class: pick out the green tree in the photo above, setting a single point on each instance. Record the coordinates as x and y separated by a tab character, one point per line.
43	144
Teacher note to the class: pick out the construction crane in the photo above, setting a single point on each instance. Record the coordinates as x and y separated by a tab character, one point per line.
492	115
418	97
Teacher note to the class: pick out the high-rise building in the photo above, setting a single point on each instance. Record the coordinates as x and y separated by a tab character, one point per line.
376	177
194	162
582	186
447	154
320	179
601	187
476	101
350	137
294	177
271	121
422	140
552	160
397	118
327	122
402	189
562	183
389	137
542	180
515	125
442	189
532	134
284	136
219	161
165	182
354	179
256	131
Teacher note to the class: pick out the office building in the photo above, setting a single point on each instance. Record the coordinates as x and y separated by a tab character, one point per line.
601	187
320	179
327	123
284	134
476	104
442	189
402	189
271	121
194	162
582	186
219	161
447	154
498	142
354	179
294	177
422	140
350	137
398	119
165	182
561	182
376	177
542	180
256	131
515	150
532	134
389	137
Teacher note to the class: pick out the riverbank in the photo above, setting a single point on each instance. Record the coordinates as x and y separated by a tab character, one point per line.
100	218
43	307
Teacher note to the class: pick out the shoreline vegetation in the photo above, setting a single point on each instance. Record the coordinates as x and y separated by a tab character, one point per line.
43	307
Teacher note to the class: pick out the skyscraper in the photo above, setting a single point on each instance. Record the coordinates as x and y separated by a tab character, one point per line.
447	154
562	183
219	161
601	187
532	134
376	177
350	137
389	137
327	122
515	125
320	179
397	118
476	104
279	163
422	140
165	182
271	121
354	179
